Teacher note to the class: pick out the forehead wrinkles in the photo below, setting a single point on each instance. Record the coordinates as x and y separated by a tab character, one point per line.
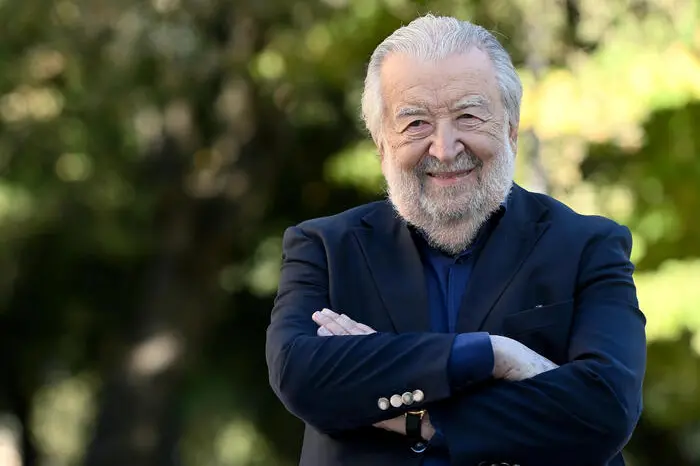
439	95
448	102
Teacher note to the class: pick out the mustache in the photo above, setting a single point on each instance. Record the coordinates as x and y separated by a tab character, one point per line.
463	161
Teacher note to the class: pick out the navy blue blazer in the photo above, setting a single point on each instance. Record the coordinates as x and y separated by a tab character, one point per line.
559	282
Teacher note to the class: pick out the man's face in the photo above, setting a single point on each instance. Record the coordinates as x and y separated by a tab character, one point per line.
447	152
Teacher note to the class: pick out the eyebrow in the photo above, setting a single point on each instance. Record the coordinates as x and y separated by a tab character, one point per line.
466	103
471	102
403	112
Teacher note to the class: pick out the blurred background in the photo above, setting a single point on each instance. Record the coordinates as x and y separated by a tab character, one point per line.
153	152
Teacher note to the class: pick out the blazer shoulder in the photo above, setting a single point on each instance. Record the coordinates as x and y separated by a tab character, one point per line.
568	221
342	222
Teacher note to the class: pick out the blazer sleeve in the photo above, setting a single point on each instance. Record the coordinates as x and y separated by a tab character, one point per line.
583	412
334	383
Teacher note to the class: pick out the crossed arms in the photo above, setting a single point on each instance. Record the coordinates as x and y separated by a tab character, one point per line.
584	410
511	361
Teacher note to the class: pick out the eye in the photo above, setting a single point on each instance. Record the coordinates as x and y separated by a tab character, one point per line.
417	127
467	116
416	124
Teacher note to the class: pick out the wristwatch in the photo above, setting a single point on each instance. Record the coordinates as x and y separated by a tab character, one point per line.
414	420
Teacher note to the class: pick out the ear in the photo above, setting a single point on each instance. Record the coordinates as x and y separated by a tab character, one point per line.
513	137
379	144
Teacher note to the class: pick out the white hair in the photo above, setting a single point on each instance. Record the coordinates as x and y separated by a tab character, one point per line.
432	38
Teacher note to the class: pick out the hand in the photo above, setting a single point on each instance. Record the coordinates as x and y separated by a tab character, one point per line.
514	361
330	324
398	425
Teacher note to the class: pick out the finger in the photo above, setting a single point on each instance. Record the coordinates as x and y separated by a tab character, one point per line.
335	329
365	329
348	324
324	317
330	324
324	332
360	329
328	313
353	327
321	318
343	321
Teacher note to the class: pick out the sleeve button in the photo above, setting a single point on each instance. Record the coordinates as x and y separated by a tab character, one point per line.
418	396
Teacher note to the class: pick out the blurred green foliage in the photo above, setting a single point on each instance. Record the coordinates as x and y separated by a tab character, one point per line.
152	153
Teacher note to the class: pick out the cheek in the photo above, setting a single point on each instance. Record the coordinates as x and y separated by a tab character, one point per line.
482	147
407	156
486	144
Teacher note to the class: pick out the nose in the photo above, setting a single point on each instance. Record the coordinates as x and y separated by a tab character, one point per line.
445	144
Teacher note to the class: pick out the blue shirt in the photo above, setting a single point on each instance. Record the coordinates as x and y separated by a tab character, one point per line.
471	359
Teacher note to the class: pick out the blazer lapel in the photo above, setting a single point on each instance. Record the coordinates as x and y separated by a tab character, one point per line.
509	244
396	268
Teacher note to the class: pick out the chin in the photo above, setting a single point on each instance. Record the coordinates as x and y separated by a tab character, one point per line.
453	229
447	206
450	216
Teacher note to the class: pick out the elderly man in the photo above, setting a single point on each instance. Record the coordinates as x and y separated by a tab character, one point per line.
465	320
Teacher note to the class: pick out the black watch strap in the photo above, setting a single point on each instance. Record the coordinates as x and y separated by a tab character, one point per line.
414	420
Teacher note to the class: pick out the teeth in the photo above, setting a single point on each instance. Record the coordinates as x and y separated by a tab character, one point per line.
450	174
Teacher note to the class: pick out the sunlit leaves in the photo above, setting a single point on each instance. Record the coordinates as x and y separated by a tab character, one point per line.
31	104
263	274
90	92
357	166
270	65
239	442
63	412
73	167
670	298
16	203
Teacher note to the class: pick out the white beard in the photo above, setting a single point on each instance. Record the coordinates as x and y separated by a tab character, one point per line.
450	217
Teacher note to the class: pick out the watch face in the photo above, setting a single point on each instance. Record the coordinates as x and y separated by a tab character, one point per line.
419	447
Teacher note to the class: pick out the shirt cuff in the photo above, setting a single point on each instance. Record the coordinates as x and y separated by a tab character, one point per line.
471	360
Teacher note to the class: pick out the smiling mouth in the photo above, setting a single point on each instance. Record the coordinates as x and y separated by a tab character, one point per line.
450	175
